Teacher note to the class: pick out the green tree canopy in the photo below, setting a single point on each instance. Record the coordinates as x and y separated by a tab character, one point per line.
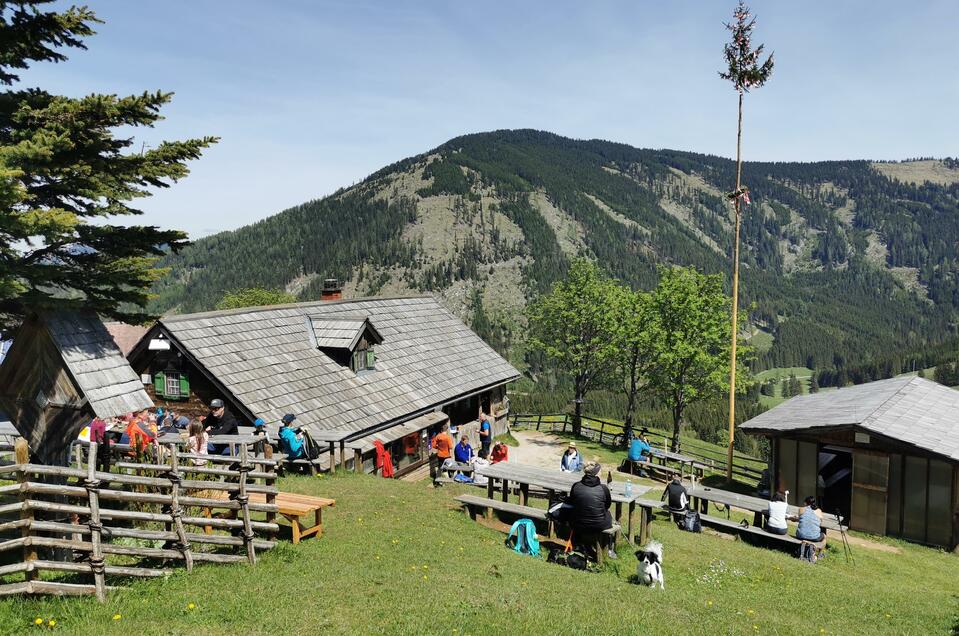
254	297
65	177
688	325
574	325
632	349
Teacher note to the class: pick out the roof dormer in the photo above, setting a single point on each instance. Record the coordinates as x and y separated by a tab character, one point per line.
348	340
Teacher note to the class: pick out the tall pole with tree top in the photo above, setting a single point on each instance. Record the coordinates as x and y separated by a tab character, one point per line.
746	72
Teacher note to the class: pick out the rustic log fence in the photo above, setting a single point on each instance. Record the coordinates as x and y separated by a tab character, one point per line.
610	434
66	527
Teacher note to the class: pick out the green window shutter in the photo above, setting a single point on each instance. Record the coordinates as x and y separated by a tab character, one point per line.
370	359
159	384
184	387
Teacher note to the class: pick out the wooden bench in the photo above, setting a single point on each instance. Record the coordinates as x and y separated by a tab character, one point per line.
292	506
473	503
632	468
733	527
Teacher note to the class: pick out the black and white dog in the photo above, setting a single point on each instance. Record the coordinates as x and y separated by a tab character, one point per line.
649	571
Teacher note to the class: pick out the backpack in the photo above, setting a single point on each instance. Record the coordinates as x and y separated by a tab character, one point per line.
573	560
807	552
691	522
526	541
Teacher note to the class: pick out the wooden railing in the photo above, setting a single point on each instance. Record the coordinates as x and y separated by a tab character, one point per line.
65	526
610	434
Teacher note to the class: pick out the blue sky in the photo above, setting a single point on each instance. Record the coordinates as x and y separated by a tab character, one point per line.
309	96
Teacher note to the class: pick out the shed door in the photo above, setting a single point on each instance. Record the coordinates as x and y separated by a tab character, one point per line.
870	482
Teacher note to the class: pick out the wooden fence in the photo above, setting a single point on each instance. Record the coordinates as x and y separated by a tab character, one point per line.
610	434
68	518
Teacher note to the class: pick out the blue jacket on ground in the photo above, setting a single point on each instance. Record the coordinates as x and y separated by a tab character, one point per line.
638	448
290	444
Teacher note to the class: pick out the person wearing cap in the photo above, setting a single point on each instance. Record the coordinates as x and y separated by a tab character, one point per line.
572	461
590	500
259	432
291	444
463	452
220	421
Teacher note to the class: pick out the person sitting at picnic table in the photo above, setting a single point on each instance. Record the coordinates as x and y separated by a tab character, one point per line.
463	453
138	434
500	453
676	497
590	500
219	421
639	450
572	461
197	442
776	515
442	448
810	522
291	444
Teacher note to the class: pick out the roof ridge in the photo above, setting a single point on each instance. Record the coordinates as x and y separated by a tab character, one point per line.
889	402
311	303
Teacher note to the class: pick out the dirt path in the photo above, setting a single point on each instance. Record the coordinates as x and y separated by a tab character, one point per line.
537	449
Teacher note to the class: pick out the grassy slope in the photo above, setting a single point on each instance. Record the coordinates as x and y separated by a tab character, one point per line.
401	558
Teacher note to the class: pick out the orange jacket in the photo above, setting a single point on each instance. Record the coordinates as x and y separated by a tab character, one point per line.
443	444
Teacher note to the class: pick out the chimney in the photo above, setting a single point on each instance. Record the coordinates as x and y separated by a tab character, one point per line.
332	290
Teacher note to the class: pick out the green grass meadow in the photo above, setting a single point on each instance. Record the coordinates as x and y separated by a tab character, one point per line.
402	558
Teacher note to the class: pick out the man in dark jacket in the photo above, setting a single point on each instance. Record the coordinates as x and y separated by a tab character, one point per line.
219	421
590	499
678	498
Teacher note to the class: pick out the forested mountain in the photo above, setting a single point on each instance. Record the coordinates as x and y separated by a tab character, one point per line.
843	260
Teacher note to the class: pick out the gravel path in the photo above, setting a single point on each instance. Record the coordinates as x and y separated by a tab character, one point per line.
537	449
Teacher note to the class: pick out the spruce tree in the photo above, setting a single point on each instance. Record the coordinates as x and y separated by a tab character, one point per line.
814	383
67	181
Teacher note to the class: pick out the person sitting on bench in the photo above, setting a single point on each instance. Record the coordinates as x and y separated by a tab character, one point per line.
500	453
572	461
678	498
639	451
810	522
776	515
590	500
291	444
463	452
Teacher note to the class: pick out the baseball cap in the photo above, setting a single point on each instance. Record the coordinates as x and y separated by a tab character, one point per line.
216	404
289	417
259	422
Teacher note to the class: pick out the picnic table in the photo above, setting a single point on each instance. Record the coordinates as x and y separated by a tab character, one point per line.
553	481
699	494
664	455
232	441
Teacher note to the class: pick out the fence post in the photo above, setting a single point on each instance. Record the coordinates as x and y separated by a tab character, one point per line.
602	430
244	501
97	564
269	481
22	457
539	420
175	511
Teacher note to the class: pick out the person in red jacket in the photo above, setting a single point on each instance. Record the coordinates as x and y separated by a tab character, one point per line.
500	453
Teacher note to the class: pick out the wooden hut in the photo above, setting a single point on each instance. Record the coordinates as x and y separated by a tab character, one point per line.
62	370
884	454
355	372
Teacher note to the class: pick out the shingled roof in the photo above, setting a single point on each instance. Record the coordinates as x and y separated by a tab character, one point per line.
340	333
98	367
911	409
265	357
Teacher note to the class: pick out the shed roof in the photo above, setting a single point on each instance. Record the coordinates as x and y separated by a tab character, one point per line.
126	336
910	409
101	372
265	358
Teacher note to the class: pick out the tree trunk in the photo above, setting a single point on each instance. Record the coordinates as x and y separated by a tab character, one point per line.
578	413
735	317
628	422
677	424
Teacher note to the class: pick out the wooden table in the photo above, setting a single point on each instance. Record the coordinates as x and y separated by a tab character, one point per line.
234	440
663	456
556	481
745	502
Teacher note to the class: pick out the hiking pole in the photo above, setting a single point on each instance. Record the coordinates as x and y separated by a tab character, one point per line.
846	548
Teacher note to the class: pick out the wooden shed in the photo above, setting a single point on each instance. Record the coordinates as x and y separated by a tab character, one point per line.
61	371
884	454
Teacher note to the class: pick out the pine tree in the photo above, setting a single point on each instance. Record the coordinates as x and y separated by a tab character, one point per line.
784	389
795	388
814	383
65	178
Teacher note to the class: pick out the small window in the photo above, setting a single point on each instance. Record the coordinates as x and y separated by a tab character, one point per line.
172	389
363	360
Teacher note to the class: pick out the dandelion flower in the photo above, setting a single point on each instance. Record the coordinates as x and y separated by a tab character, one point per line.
117	616
888	615
52	623
755	628
750	612
377	557
426	578
38	621
191	606
426	567
709	603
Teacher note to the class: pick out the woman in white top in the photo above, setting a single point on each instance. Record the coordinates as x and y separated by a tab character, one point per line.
776	515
